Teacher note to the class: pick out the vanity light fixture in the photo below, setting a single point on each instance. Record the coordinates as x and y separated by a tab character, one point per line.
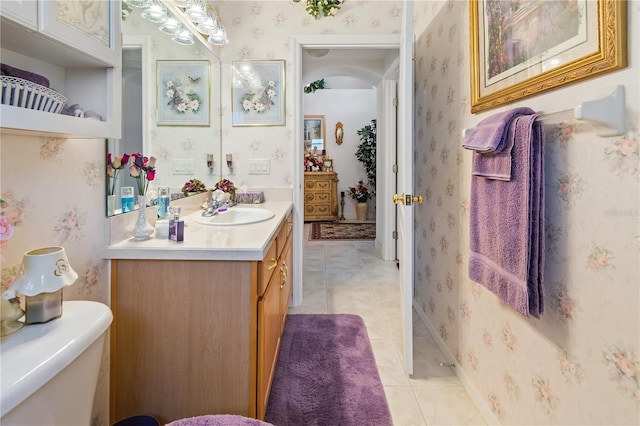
156	13
184	38
176	17
171	27
196	12
139	3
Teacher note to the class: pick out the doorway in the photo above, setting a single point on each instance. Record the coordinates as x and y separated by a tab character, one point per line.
383	81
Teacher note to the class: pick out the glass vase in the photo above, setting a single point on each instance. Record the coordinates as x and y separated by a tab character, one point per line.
142	230
111	205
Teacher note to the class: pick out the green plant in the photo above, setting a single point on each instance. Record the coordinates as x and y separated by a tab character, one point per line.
366	152
315	85
318	8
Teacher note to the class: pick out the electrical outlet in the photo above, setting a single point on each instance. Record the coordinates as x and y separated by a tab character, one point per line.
259	166
184	166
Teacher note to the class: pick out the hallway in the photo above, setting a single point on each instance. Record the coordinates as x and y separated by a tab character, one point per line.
349	277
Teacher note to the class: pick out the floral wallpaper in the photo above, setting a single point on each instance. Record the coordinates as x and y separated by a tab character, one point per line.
580	363
53	194
263	30
52	190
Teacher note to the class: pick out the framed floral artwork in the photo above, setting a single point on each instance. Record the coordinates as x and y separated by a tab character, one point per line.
182	93
521	48
257	93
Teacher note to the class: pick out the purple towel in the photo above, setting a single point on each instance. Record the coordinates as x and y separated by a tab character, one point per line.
490	134
496	164
219	420
507	225
25	75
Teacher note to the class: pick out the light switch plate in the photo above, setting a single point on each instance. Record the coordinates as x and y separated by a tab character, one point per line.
183	166
259	166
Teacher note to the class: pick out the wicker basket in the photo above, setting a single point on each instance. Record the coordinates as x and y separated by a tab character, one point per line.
26	94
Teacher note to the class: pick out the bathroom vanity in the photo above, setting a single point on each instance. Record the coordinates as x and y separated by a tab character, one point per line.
197	324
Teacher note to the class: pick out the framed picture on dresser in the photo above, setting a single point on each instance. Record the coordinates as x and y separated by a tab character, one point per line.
526	47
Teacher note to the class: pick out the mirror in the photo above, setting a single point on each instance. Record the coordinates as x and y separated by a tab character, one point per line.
184	151
339	133
314	134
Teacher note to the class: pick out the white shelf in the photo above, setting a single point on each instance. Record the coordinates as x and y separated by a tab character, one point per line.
20	121
86	76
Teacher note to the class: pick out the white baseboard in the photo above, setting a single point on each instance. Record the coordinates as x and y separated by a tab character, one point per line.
480	402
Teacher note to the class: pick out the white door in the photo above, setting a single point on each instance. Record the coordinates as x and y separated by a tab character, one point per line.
405	183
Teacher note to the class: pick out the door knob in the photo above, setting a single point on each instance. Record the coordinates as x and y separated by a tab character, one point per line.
407	199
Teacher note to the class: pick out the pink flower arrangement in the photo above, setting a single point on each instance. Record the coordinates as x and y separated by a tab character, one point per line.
113	168
143	169
360	192
225	185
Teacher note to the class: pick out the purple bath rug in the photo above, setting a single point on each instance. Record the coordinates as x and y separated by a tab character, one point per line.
326	375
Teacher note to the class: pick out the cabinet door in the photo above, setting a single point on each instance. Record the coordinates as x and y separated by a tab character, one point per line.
24	12
269	330
287	285
91	26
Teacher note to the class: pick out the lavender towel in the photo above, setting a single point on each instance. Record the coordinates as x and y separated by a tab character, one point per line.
25	75
495	165
490	134
218	420
507	225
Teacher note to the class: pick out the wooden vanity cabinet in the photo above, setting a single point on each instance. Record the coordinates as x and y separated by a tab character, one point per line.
193	337
273	305
320	196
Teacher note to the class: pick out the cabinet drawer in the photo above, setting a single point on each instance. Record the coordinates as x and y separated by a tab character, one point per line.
314	197
317	184
318	208
267	267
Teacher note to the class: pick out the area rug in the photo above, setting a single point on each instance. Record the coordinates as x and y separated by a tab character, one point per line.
326	375
342	231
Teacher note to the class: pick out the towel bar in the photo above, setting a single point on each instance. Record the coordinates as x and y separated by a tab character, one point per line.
606	115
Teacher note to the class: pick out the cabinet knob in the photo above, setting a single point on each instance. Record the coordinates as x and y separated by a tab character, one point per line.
273	265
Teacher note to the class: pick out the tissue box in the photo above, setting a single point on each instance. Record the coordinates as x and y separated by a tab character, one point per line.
249	197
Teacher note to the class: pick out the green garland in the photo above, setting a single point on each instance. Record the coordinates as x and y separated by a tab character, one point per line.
317	8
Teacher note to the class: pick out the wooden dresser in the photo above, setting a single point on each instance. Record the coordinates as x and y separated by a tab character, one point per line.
320	196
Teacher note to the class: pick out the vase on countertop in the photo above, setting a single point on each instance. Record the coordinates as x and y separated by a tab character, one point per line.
361	211
142	230
111	205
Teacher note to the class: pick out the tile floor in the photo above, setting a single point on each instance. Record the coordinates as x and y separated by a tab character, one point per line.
350	277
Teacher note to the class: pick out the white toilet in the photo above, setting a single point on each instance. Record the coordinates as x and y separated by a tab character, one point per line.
49	371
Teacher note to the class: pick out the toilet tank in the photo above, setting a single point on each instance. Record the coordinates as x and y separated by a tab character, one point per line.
49	371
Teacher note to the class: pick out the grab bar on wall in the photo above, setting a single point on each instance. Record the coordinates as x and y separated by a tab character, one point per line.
606	115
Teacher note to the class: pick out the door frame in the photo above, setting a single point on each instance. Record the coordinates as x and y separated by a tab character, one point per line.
298	43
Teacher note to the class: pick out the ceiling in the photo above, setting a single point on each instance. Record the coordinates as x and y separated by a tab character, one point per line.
368	64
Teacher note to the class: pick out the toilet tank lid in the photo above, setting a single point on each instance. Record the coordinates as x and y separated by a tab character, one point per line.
36	353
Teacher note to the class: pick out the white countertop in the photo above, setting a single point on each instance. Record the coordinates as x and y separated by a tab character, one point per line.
206	242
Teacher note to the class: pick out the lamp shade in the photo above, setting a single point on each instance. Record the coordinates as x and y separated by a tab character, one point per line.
44	270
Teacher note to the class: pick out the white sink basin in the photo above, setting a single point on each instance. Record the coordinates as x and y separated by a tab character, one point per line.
236	216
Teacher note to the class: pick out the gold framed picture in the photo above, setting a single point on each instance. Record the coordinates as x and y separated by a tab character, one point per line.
523	48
